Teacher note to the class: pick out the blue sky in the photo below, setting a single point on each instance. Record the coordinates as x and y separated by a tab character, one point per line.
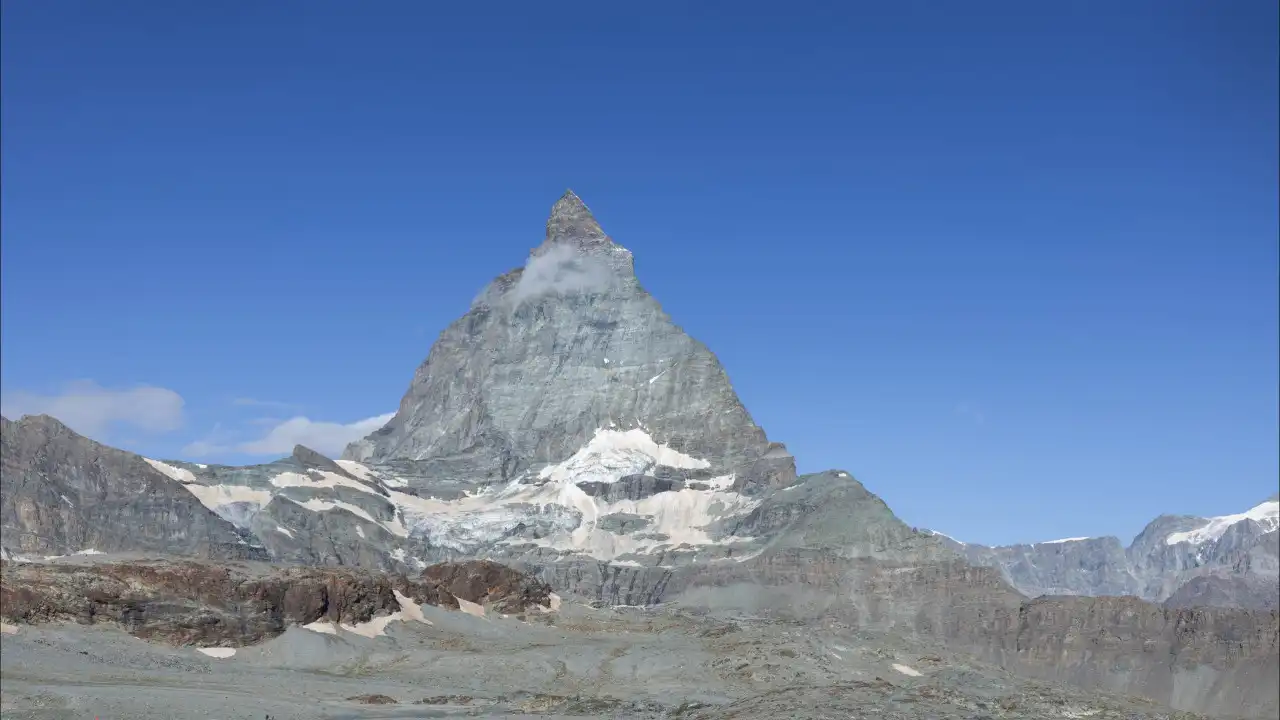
1012	264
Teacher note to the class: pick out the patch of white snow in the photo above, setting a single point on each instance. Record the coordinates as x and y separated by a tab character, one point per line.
470	608
611	454
326	480
1063	540
222	652
360	531
392	526
222	499
906	670
88	551
182	475
322	626
1267	515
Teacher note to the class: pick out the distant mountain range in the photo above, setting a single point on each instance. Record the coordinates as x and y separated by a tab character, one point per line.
1178	560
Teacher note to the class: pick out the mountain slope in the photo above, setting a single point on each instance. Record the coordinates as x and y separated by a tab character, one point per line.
62	493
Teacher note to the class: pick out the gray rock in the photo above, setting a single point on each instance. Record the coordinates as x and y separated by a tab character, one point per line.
1239	566
552	352
62	493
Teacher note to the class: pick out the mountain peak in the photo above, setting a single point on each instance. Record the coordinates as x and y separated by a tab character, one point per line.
572	222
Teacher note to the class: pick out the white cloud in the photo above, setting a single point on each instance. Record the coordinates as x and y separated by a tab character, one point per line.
91	409
328	438
561	270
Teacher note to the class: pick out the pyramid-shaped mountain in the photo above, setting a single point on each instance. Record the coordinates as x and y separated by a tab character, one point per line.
567	349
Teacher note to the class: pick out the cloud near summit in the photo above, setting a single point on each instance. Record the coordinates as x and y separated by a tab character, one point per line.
560	270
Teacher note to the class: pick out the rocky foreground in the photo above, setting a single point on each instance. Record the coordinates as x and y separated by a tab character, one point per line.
136	638
202	604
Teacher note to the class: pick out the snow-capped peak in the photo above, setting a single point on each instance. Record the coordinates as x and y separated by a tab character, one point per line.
1266	514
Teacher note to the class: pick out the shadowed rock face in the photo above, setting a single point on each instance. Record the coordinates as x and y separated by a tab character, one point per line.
552	352
183	603
62	493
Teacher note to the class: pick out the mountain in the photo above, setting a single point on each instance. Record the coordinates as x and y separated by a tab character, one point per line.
1180	560
567	351
566	427
62	493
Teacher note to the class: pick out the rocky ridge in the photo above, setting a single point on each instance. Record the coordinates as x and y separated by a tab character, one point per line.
1179	560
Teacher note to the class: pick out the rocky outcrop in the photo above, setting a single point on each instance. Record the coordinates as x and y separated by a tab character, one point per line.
198	603
1220	661
63	493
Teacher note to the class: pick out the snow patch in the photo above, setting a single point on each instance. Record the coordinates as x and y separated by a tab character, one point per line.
1063	540
906	670
322	626
8	629
470	608
360	531
392	526
935	532
611	454
67	500
222	652
182	475
364	472
410	609
1267	515
88	551
654	379
284	531
569	514
234	503
326	480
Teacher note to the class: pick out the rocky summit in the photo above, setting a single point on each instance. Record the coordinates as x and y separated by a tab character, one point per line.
572	514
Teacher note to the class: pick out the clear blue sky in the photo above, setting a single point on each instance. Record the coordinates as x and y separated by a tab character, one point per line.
1013	264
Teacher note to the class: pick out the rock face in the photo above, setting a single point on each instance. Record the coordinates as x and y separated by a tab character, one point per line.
553	353
203	604
1229	561
1222	661
63	493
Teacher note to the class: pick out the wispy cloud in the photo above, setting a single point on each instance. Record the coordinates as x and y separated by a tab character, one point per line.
972	412
218	440
328	438
93	410
560	270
